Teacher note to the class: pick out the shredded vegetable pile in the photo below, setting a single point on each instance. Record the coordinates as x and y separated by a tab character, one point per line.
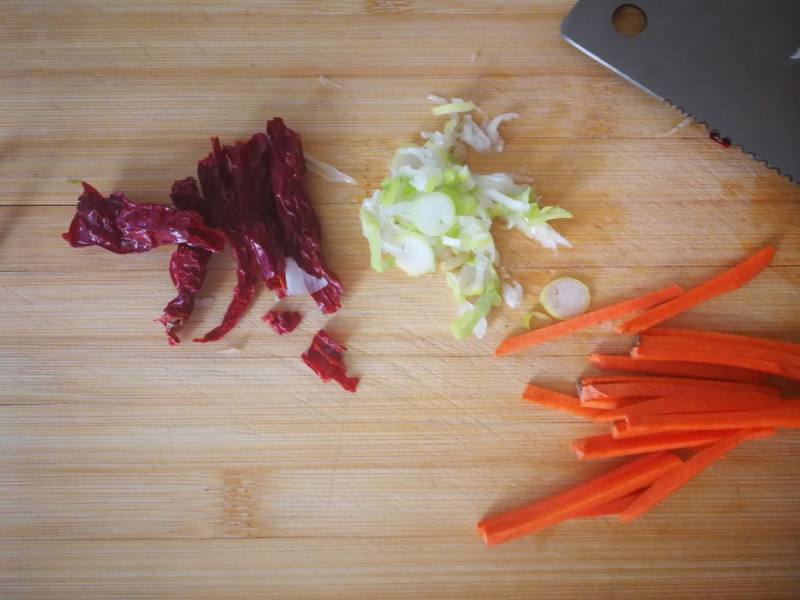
432	209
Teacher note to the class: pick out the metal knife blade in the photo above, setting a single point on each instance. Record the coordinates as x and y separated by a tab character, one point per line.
733	65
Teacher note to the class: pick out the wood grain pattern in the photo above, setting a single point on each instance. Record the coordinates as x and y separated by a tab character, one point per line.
129	469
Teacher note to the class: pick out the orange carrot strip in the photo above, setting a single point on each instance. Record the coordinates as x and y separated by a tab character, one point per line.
676	478
610	416
610	402
655	387
608	362
614	507
606	446
615	311
562	402
592	379
733	359
589	379
689	382
728	281
732	338
642	466
604	418
698	344
582	498
694	402
787	415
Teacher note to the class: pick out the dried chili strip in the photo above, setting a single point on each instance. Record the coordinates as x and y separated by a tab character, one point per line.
236	189
119	225
306	271
188	266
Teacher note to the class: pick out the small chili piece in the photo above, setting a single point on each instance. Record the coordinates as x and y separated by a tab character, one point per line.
325	358
282	321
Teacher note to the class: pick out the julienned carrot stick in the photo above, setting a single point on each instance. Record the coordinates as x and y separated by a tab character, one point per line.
667	387
606	446
725	282
785	416
695	402
676	478
614	507
610	402
562	402
608	362
689	382
659	353
585	497
606	417
589	379
551	332
733	360
728	337
698	344
592	379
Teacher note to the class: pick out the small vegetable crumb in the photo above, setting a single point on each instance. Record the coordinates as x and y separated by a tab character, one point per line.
329	83
327	171
534	314
722	141
282	321
512	294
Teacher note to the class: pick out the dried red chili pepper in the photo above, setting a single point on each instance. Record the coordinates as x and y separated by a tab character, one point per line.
324	356
117	224
282	321
253	191
188	266
236	188
306	271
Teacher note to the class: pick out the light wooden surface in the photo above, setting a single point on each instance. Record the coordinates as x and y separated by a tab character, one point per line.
130	469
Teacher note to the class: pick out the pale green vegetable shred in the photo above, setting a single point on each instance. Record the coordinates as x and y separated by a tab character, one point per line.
534	314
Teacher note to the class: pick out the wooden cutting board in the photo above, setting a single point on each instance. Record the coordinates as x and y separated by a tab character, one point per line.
134	470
